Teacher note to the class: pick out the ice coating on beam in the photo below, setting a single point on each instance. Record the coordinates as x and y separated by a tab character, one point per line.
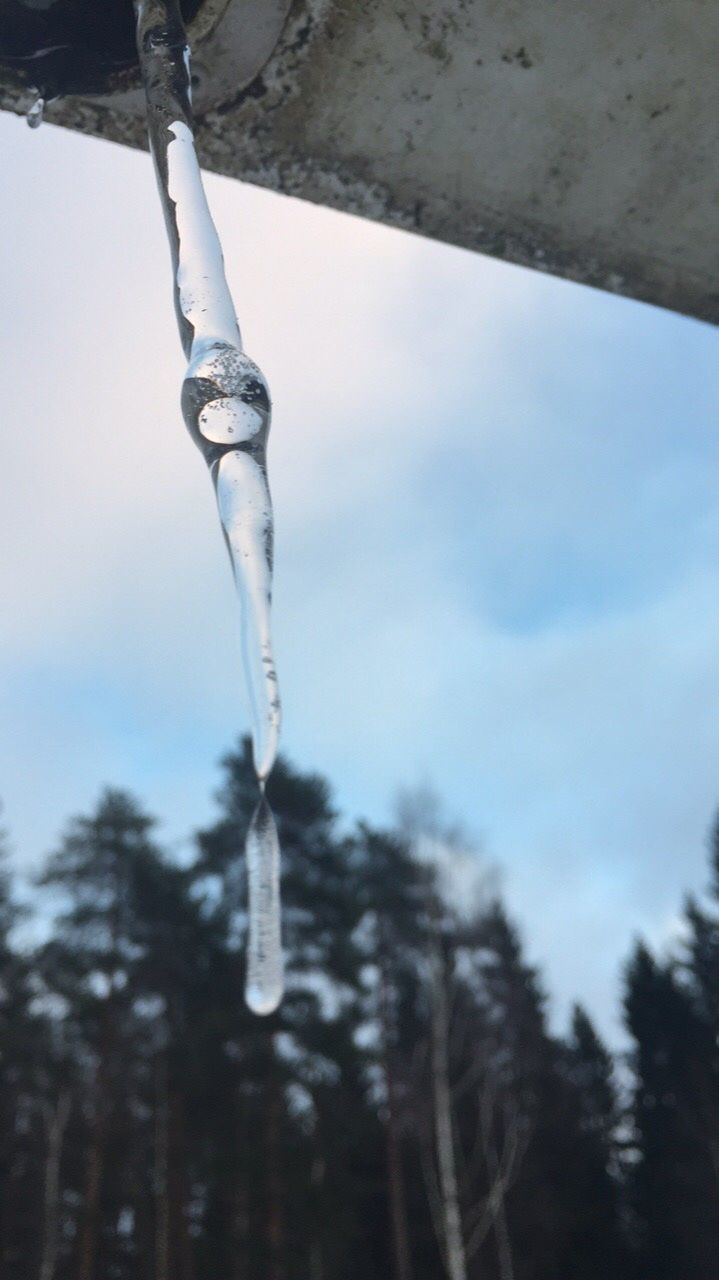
265	979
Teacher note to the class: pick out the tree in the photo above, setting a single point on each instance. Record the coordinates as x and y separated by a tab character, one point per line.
675	1185
88	969
26	1070
546	1215
591	1069
702	959
393	892
300	1067
600	1246
406	1109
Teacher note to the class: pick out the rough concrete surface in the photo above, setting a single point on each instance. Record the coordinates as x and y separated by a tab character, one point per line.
575	137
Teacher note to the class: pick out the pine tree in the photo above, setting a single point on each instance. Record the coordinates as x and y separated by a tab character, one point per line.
675	1187
151	1128
591	1068
299	1089
600	1247
186	981
553	1227
21	1128
395	894
703	944
88	966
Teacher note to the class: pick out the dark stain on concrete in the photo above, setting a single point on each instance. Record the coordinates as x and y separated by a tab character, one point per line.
519	57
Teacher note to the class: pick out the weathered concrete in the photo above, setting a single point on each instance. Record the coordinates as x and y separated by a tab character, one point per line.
573	137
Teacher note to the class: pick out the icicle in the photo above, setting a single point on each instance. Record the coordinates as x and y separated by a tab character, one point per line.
244	503
227	410
264	982
225	398
36	113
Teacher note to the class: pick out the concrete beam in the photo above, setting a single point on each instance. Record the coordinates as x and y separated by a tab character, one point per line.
572	137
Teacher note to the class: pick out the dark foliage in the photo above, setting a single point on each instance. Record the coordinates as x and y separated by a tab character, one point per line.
152	1129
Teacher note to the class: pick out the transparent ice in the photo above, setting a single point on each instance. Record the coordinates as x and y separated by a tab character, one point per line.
226	407
264	981
226	402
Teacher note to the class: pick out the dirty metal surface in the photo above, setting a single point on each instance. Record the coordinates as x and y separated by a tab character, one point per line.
575	138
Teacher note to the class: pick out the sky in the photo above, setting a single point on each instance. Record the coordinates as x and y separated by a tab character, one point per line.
497	546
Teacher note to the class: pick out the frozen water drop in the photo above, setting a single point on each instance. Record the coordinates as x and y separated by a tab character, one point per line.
264	983
35	115
228	421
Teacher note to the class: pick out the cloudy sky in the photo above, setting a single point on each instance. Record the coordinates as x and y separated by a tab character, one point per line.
497	508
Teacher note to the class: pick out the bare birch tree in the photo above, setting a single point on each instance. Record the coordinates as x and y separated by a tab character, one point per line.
451	1218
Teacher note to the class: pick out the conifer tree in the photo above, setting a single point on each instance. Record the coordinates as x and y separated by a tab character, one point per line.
21	1039
591	1069
395	894
675	1188
600	1240
703	943
551	1215
151	1128
307	1107
89	966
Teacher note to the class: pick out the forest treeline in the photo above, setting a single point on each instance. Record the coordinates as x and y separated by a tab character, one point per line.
406	1114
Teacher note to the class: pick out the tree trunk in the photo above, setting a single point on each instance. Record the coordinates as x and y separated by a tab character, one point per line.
8	1174
94	1168
504	1246
317	1176
449	1196
498	1209
56	1125
162	1159
173	1245
395	1173
239	1204
181	1253
89	1229
275	1180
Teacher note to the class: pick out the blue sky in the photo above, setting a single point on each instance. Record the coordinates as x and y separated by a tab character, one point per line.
497	545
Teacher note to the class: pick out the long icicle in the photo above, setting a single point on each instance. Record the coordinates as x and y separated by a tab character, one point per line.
227	410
